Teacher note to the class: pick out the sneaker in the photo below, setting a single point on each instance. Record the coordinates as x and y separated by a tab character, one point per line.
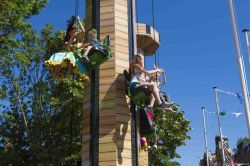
149	108
175	107
162	106
170	110
155	146
169	104
165	107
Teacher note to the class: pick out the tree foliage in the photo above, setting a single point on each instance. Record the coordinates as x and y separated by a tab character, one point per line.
241	142
14	14
172	132
40	118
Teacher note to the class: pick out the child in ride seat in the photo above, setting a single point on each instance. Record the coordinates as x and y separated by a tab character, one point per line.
92	42
164	97
66	59
137	72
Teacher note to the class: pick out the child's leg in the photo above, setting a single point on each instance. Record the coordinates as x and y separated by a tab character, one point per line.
167	98
155	90
86	53
70	66
155	137
56	72
144	144
152	100
148	142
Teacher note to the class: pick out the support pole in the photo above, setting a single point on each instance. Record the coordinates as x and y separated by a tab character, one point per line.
205	133
134	108
134	22
219	124
240	65
246	33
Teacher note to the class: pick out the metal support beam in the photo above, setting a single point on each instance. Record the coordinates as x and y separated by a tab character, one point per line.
219	125
94	108
132	52
240	65
205	133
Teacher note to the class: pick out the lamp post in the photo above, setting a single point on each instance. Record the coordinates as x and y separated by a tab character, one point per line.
240	65
219	124
205	133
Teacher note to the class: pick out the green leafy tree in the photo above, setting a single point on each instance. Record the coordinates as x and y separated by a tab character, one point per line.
40	119
241	142
172	132
16	39
13	24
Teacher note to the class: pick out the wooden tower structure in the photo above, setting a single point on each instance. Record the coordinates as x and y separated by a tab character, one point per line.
109	135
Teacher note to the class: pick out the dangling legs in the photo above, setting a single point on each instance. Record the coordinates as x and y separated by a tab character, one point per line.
152	100
70	66
155	137
144	143
166	100
155	91
148	142
86	53
56	71
166	97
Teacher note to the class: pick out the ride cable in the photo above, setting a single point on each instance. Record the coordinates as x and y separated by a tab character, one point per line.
153	19
156	54
77	8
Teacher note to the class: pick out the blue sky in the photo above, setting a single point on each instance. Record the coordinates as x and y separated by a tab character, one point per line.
197	53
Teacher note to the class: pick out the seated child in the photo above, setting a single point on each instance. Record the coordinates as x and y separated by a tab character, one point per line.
67	59
137	72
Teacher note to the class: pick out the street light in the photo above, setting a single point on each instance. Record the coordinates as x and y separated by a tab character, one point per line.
240	65
219	124
205	133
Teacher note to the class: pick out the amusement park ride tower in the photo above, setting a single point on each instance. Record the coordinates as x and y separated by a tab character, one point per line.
110	129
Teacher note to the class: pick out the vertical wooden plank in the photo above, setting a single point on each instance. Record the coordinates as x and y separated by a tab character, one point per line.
143	157
107	144
86	125
123	132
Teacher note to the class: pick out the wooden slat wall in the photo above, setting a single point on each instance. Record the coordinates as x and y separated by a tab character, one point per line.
143	158
107	119
114	113
115	129
123	121
86	125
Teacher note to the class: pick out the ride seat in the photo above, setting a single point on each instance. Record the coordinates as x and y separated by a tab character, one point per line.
147	125
139	95
99	54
